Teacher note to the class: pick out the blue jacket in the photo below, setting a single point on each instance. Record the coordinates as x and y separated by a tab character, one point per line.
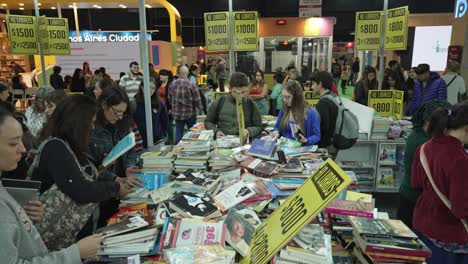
436	89
312	127
160	122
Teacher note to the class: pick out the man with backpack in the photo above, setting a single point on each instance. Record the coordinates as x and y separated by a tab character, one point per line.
222	115
339	128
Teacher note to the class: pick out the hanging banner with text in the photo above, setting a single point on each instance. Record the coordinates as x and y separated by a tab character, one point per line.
368	30
386	103
311	98
396	35
217	31
22	34
246	31
296	212
57	36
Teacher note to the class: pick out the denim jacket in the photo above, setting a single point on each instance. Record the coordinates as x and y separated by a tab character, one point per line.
103	139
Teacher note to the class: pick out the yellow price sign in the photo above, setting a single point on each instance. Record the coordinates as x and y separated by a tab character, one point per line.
296	212
396	36
57	36
382	102
22	34
368	30
217	31
246	31
398	100
311	98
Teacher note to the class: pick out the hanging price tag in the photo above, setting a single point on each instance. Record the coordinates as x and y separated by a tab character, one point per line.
311	98
368	30
246	31
57	36
217	31
396	36
22	34
387	103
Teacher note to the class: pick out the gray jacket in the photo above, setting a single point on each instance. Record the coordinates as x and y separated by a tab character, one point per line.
20	242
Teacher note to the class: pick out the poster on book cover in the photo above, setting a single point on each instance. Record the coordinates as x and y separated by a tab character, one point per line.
368	30
296	212
246	31
217	31
386	103
396	35
22	34
312	98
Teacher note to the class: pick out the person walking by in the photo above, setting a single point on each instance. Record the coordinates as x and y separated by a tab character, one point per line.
456	89
221	73
429	87
345	76
336	71
368	82
355	68
131	81
185	100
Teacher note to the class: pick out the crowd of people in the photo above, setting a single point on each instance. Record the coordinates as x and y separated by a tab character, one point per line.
61	141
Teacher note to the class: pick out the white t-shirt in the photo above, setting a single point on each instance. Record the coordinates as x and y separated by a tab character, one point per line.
457	87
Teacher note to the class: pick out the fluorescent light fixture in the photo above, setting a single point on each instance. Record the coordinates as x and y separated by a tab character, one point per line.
53	7
70	6
39	4
122	6
21	8
21	4
4	4
147	6
98	7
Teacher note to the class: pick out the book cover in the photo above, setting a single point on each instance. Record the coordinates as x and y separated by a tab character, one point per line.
298	151
127	212
385	177
193	205
239	232
294	165
199	232
350	208
152	180
138	236
312	239
128	225
260	189
23	191
381	228
358	197
387	154
233	195
262	148
124	145
249	214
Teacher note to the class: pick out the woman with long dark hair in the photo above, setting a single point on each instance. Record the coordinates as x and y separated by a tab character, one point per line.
297	120
158	115
165	77
368	82
70	189
259	92
77	84
439	172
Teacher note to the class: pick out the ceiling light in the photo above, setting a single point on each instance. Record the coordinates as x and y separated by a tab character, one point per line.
70	6
4	4
53	7
122	6
147	6
21	8
98	7
21	4
39	4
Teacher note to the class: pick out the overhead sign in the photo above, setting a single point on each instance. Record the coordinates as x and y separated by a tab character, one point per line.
54	36
310	8
217	31
396	35
246	31
460	8
22	34
296	212
86	36
386	103
311	98
368	30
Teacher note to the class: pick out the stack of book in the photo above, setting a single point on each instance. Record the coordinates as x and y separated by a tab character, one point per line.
191	160
380	127
227	142
195	145
219	162
157	160
199	135
194	205
259	167
379	240
199	181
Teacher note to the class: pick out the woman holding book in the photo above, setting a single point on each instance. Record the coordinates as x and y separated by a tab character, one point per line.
418	136
297	120
259	92
439	171
158	115
70	190
20	241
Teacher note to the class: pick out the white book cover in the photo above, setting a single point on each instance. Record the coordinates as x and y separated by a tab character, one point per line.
387	154
199	232
233	195
385	178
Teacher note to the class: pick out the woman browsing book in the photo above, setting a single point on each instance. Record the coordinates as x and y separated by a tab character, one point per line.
297	120
20	241
70	190
439	171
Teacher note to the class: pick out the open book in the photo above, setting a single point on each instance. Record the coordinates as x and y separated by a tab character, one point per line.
124	145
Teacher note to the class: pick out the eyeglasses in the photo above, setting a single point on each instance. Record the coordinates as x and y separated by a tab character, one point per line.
117	112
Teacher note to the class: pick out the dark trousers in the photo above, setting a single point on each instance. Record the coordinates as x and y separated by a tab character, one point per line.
440	255
343	86
405	211
180	127
221	84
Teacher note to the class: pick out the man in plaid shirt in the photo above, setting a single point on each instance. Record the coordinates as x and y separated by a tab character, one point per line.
185	99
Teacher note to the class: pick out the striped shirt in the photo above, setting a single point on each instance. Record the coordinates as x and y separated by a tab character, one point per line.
435	89
130	84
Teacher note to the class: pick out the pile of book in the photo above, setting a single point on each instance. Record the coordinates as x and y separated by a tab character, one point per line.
199	181
382	240
158	160
380	128
219	162
227	142
188	159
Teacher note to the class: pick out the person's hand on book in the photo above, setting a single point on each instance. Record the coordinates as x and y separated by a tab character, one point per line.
133	180
274	135
219	134
301	138
35	210
123	190
89	246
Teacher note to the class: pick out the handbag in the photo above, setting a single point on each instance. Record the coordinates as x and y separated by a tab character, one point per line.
442	197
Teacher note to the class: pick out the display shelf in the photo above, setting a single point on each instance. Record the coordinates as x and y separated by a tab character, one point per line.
387	190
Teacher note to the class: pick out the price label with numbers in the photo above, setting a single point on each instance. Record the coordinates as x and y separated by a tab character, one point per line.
396	36
22	34
246	31
387	103
296	212
57	36
217	31
398	97
311	98
368	30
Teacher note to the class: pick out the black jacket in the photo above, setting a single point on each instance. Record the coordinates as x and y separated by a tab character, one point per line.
328	112
56	81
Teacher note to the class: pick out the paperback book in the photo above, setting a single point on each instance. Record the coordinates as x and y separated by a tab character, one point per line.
351	208
387	154
128	225
263	149
233	195
239	232
192	205
124	145
23	191
385	177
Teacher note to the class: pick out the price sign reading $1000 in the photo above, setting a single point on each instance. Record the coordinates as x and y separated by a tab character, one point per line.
246	31
217	31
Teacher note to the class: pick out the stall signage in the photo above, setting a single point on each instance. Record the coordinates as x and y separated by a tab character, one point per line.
396	35
296	212
22	34
312	98
217	31
98	36
246	31
386	103
460	8
368	30
56	35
